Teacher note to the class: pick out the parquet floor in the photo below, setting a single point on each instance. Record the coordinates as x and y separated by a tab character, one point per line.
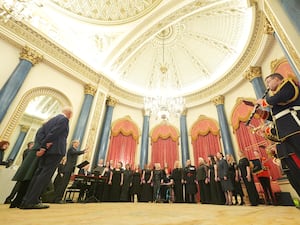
150	214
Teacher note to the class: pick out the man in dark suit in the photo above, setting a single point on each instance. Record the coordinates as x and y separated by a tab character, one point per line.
52	150
69	168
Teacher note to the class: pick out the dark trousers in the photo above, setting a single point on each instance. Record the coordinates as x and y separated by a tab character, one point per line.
266	185
252	192
21	193
292	172
61	186
41	178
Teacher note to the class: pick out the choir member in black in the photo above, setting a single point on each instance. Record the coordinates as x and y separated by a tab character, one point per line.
222	170
135	190
157	180
202	178
177	176
147	190
98	171
106	187
263	175
116	181
127	182
245	170
189	179
234	176
284	104
216	193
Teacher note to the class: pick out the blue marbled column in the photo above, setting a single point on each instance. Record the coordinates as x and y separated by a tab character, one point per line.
145	142
17	146
254	76
28	58
84	113
225	134
105	131
291	62
185	153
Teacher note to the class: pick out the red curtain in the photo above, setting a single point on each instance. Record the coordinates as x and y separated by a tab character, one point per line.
122	148
165	152
249	142
206	145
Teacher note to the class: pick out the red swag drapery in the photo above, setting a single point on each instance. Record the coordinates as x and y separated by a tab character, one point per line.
206	145
123	142
205	138
165	152
122	148
164	140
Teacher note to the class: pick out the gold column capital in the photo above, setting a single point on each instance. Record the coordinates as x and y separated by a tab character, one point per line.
110	101
184	111
218	100
268	29
24	128
90	89
252	72
30	55
146	112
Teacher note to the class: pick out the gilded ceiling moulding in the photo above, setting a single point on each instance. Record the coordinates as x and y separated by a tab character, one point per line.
53	54
108	12
240	66
159	27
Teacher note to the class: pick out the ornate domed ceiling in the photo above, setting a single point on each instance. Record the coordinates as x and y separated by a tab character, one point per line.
199	41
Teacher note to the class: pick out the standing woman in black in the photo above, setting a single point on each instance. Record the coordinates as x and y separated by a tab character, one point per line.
189	178
177	176
244	167
202	178
116	181
135	190
234	176
127	182
147	179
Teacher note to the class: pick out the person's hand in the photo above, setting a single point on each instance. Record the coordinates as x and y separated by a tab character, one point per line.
48	145
40	152
248	178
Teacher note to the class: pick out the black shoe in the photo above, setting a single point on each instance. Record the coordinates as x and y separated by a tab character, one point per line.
242	203
36	206
12	205
7	201
60	202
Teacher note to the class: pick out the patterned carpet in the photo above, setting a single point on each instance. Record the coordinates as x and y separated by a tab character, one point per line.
150	214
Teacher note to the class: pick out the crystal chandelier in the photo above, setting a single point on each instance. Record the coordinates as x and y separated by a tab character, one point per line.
18	9
163	104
